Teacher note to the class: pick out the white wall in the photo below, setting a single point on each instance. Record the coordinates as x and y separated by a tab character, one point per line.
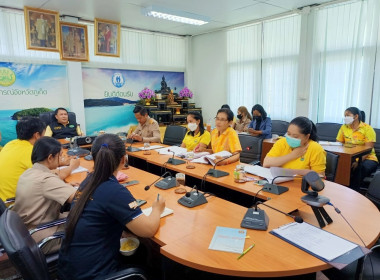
207	76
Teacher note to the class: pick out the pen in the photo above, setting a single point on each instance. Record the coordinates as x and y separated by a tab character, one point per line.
158	197
246	251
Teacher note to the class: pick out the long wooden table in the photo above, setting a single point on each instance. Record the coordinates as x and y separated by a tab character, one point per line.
346	155
184	237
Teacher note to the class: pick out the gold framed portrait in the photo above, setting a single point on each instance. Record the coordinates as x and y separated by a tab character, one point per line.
41	29
74	42
107	37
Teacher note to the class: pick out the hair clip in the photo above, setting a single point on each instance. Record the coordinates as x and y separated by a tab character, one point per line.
105	145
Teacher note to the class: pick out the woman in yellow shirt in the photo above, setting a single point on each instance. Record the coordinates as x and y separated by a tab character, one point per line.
197	135
223	137
299	149
355	131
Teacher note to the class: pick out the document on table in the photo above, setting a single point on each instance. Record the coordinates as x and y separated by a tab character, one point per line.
167	211
228	239
273	172
328	143
151	147
78	170
169	150
314	240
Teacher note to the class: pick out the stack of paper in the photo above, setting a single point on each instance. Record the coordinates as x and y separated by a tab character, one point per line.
328	143
169	150
283	174
228	240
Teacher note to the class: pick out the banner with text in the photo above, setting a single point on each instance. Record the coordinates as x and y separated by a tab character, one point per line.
28	89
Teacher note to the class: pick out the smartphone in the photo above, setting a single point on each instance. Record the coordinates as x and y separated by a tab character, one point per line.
140	202
261	182
130	183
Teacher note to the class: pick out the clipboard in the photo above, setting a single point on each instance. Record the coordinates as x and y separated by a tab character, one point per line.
339	262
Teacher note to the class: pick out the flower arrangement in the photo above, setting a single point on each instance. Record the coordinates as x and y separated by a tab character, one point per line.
146	93
185	92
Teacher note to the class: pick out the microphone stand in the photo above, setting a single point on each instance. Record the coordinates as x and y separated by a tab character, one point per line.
193	198
218	173
148	186
75	150
132	149
173	160
297	219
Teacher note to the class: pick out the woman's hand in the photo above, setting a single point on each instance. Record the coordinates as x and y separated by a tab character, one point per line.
299	151
159	205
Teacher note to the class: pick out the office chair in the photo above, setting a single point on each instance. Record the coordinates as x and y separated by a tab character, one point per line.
279	127
26	254
174	135
49	117
251	149
331	166
368	179
327	131
373	192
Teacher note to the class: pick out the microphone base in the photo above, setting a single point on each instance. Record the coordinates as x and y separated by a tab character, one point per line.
275	189
217	173
78	152
195	199
255	219
132	149
175	161
167	183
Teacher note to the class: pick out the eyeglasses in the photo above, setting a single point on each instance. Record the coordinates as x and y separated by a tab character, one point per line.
220	120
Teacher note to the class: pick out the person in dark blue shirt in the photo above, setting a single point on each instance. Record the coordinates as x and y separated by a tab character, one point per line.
261	125
101	209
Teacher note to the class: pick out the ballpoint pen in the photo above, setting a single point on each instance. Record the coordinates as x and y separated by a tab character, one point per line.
158	197
246	251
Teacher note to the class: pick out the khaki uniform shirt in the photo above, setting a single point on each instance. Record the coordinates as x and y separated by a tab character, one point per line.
39	197
149	131
242	125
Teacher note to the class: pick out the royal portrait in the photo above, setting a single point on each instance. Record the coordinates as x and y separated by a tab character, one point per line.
74	42
107	37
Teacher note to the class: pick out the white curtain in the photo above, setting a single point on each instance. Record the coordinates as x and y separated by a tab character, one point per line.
137	48
344	53
262	66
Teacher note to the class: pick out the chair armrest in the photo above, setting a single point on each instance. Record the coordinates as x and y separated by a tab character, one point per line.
255	162
48	225
57	235
131	272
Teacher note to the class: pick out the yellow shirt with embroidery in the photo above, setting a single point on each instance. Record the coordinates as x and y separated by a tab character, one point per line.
314	158
15	158
364	134
227	141
192	141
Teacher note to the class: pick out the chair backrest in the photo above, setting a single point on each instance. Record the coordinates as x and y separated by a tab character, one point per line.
251	148
174	135
373	192
331	165
279	127
377	143
20	247
2	207
49	117
327	131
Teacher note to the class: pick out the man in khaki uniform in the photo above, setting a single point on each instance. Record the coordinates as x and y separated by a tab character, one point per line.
39	197
147	130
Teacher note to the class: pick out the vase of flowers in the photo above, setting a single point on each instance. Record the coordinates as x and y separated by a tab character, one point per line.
146	94
185	93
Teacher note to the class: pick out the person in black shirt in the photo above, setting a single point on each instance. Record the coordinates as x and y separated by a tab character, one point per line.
61	128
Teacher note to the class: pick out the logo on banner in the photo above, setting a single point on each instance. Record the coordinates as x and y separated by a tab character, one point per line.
118	80
7	77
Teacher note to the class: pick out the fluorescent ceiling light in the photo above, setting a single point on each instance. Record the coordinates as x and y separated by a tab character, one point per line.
178	16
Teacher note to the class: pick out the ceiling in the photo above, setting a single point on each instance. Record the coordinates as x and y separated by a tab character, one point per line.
223	13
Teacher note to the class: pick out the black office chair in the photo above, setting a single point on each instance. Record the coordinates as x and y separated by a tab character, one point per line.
2	207
174	135
49	117
331	166
26	254
327	131
251	148
368	180
373	192
279	127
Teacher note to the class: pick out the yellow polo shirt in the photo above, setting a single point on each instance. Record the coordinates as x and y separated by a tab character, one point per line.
314	158
227	141
15	158
364	134
192	141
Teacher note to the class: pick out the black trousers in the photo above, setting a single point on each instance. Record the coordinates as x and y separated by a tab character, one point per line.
365	169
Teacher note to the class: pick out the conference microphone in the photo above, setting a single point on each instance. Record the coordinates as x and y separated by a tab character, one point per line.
173	160
163	175
297	219
275	189
218	173
192	198
132	149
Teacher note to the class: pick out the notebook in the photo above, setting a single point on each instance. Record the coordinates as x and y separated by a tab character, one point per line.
167	211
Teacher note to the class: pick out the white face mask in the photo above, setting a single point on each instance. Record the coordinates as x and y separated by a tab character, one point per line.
192	126
348	120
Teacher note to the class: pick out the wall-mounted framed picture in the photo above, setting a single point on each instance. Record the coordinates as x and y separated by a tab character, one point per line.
74	42
41	29
107	37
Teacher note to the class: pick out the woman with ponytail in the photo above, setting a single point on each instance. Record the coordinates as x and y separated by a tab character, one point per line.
299	148
101	209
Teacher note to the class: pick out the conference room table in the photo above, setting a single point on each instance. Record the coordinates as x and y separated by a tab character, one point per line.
185	235
346	155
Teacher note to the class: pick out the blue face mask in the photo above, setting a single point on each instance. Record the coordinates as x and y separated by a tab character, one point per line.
293	142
